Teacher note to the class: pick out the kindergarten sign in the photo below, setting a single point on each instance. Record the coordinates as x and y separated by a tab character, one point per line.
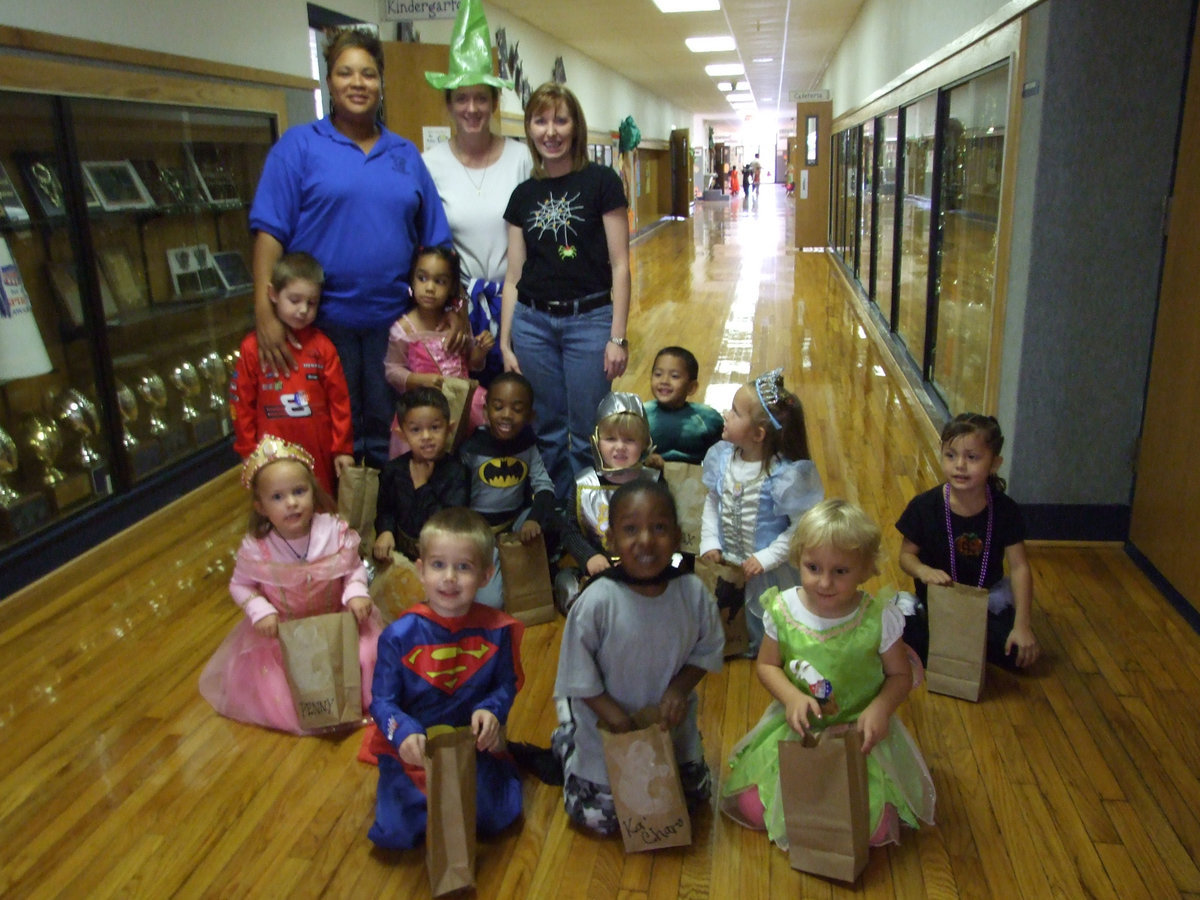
411	10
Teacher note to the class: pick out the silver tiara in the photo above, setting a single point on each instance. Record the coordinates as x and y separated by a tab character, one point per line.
768	387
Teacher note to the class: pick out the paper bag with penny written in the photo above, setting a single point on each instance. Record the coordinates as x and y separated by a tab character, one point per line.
320	657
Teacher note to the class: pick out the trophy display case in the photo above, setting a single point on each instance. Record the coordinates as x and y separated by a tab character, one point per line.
124	255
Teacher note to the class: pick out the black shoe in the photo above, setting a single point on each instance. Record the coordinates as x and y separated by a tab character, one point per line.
537	761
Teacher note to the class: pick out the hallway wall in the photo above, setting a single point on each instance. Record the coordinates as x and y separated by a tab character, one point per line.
1097	143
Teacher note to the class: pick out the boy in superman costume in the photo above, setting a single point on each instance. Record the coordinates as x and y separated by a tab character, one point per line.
448	661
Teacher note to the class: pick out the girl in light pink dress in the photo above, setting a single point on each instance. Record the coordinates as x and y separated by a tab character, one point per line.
417	355
298	560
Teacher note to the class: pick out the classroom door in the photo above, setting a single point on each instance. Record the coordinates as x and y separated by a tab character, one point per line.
1166	499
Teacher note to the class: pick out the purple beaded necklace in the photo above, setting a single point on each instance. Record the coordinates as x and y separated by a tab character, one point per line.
987	538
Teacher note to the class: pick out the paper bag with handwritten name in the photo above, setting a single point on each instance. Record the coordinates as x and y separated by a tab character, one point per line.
687	486
320	657
957	640
643	775
728	585
528	594
358	490
823	785
450	799
396	587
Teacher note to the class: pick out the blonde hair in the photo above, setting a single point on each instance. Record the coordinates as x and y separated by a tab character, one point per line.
259	525
627	425
459	522
841	524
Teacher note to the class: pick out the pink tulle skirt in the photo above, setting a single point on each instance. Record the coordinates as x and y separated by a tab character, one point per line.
245	679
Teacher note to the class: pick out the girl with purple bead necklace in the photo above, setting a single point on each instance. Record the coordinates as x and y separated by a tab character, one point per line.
968	531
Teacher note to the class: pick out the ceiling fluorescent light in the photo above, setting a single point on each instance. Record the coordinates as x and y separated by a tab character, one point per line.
764	59
742	86
678	6
724	86
716	44
721	70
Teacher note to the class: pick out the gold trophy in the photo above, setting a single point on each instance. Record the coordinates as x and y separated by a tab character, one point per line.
150	388
143	455
39	435
127	404
20	513
75	412
186	380
212	367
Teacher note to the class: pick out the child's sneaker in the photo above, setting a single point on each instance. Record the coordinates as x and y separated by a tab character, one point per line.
566	590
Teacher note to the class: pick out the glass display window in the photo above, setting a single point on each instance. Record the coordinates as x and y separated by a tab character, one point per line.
916	217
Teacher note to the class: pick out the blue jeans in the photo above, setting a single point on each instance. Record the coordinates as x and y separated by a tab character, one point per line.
563	358
372	400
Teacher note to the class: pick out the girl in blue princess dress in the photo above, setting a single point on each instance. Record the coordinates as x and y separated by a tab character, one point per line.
760	481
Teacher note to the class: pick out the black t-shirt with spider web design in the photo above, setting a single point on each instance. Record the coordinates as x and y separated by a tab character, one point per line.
566	252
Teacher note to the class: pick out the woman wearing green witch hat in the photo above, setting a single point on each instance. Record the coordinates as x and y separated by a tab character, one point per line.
476	171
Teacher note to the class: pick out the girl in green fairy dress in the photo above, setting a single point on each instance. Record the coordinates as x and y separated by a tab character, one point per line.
832	656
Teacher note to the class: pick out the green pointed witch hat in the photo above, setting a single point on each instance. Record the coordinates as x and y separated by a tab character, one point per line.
470	52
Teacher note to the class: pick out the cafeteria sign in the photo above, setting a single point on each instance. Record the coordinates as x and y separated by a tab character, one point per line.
412	10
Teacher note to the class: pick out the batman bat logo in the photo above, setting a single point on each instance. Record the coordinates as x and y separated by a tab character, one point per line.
503	472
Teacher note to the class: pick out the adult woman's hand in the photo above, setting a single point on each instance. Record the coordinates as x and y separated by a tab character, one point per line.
615	360
274	354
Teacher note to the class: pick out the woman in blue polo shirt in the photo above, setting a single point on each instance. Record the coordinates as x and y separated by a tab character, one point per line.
360	200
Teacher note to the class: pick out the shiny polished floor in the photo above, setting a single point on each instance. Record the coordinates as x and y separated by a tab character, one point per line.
1078	779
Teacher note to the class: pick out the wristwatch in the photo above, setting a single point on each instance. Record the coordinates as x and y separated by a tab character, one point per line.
623	343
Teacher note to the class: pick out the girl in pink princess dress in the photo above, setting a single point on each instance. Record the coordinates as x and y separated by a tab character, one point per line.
417	355
298	560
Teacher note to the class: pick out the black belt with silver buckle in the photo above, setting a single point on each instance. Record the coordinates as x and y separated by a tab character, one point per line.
568	307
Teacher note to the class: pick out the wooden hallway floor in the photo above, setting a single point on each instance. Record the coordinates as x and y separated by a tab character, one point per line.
1079	779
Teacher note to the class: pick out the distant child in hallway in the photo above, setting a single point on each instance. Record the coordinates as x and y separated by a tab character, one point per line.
417	355
310	406
682	431
298	560
420	482
760	481
964	532
643	634
832	656
446	662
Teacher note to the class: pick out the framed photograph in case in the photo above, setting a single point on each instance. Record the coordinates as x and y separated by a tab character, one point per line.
234	272
65	282
213	169
11	207
194	274
40	171
117	185
126	285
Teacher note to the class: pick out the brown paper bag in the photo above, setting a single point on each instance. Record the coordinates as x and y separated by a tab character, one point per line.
687	486
458	393
727	583
358	490
320	657
643	775
450	796
396	587
528	594
957	640
823	785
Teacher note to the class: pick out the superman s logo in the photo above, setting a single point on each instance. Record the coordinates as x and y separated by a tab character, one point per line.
503	472
448	666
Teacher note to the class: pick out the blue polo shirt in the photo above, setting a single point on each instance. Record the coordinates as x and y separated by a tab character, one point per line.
361	216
